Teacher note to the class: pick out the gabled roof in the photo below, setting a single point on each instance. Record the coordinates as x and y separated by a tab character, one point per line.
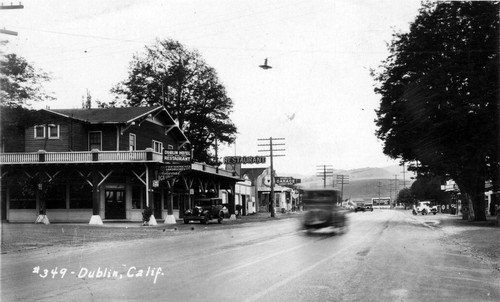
122	115
125	116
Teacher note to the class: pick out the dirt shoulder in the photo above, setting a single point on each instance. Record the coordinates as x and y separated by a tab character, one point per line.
480	239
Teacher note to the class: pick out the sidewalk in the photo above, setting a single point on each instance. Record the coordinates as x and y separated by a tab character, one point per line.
21	237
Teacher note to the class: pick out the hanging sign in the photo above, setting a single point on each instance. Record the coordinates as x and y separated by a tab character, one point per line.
169	171
286	181
176	156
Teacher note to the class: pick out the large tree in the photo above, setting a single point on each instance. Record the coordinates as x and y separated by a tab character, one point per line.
428	187
21	83
440	96
169	74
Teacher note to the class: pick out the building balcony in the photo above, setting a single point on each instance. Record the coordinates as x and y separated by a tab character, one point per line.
94	156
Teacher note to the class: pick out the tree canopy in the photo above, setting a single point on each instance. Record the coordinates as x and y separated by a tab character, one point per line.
21	83
439	92
168	74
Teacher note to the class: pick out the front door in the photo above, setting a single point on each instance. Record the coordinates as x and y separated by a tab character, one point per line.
115	204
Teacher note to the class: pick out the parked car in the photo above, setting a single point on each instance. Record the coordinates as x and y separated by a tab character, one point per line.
369	207
425	207
360	207
206	209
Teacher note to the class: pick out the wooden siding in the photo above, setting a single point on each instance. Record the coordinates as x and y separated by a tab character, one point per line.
109	133
60	144
145	134
73	136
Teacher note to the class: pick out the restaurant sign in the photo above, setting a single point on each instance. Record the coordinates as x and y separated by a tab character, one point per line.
176	156
244	160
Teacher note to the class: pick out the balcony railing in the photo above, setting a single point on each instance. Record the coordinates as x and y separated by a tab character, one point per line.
94	156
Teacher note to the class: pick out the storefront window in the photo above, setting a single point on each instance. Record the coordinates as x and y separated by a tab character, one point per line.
21	200
177	199
55	198
80	196
138	197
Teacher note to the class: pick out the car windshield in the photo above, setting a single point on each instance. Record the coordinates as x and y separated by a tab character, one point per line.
204	202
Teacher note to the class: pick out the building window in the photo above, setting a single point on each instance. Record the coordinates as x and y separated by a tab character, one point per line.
56	197
138	197
53	131
158	146
95	140
131	142
39	131
20	199
80	196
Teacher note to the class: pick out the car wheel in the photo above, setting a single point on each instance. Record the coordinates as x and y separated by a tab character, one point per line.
186	221
434	213
221	217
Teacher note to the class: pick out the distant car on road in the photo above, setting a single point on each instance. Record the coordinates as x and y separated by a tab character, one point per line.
369	207
206	209
323	211
425	207
360	207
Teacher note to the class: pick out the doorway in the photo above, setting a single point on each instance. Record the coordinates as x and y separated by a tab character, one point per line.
115	204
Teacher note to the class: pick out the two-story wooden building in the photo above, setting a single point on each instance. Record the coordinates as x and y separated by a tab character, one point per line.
84	165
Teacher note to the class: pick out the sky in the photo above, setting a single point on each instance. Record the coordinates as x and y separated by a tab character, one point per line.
318	96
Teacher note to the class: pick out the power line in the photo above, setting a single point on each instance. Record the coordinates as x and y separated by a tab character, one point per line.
324	171
271	156
342	179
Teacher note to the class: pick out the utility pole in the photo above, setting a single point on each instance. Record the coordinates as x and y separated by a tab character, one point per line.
5	31
342	179
324	171
379	186
271	156
404	175
395	188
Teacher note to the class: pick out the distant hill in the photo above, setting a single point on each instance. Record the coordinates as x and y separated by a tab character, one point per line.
365	183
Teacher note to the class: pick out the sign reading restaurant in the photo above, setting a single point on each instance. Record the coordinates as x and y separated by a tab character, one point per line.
176	156
245	160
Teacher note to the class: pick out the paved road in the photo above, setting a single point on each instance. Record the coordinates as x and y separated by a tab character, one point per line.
384	256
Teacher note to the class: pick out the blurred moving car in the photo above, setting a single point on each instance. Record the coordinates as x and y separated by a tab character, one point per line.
323	210
206	209
360	207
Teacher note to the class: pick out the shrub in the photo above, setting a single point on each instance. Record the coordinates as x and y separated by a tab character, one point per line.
148	211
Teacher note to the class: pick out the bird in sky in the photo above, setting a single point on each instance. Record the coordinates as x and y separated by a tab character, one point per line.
265	66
